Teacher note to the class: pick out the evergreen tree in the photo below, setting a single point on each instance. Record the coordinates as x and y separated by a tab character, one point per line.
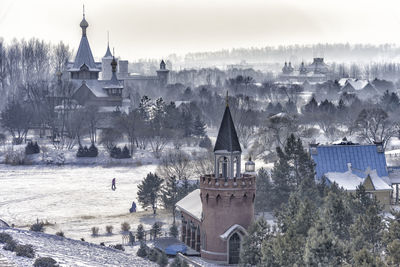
149	191
364	258
140	232
199	127
323	248
162	259
173	231
258	232
155	230
337	214
170	194
393	250
264	188
293	166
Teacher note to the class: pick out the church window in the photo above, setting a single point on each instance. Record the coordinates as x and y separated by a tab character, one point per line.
234	249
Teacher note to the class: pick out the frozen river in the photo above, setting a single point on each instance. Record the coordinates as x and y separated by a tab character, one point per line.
74	198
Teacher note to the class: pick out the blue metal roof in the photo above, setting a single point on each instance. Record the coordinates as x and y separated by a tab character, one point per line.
336	157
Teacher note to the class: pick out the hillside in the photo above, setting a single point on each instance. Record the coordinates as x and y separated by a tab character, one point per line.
68	252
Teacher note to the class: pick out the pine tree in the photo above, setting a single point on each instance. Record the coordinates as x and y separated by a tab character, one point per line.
258	232
140	232
199	127
173	231
162	259
155	230
170	194
149	191
323	248
125	153
264	188
393	250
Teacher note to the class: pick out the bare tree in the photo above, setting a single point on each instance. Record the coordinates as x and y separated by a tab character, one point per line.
374	125
17	118
175	163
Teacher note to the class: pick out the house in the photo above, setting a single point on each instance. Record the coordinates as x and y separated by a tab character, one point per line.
215	217
349	165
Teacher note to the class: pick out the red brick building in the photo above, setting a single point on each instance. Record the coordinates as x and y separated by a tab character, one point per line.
215	217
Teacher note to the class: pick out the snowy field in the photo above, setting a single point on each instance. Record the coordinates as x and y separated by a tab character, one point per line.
74	199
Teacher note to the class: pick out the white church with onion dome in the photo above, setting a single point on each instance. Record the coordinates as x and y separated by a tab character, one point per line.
107	85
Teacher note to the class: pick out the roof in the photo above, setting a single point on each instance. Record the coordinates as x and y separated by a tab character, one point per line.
191	204
170	245
350	180
227	139
335	158
108	52
113	83
84	56
231	230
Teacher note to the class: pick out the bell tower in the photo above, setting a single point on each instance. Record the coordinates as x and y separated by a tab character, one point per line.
227	198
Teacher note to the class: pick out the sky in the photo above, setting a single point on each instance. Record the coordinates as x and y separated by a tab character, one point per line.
158	28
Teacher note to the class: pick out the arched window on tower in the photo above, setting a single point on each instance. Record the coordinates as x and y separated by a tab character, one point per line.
234	249
218	199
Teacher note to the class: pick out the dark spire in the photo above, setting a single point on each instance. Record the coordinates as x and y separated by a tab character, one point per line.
114	63
108	52
227	138
84	24
162	65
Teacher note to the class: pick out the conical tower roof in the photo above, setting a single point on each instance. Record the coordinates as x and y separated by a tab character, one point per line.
227	137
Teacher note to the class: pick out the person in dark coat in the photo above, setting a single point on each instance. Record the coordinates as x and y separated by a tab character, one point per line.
133	208
113	187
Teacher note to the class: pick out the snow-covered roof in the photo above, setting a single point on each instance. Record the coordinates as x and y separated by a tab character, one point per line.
335	158
350	180
191	204
233	228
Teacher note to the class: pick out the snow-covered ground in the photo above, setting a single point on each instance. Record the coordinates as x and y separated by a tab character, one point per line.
68	252
74	199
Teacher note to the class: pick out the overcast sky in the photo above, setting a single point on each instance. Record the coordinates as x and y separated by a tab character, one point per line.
157	28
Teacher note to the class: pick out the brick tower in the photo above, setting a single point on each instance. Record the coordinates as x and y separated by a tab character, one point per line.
227	198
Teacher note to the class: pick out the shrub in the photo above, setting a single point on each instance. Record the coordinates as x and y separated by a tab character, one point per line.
179	263
140	232
90	152
118	153
37	227
10	245
153	255
95	231
125	227
125	153
102	244
109	229
25	251
60	233
118	246
205	143
45	262
162	259
131	238
15	157
142	251
4	238
32	148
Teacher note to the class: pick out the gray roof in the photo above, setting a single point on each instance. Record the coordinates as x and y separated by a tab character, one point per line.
113	83
84	56
108	52
227	138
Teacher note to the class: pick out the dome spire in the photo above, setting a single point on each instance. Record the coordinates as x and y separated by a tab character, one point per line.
84	24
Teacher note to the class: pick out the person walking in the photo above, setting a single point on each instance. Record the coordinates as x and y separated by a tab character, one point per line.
113	187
